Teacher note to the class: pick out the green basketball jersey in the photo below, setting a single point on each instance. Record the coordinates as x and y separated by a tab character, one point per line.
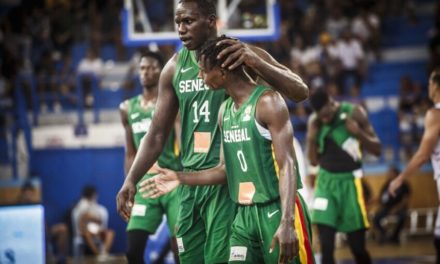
199	108
139	120
251	167
337	148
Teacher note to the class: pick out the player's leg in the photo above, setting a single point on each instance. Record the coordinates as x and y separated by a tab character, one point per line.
356	241
245	246
170	203
218	212
190	228
107	239
354	220
325	213
137	241
146	216
327	242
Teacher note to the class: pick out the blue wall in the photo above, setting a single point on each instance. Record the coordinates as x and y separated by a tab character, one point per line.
63	174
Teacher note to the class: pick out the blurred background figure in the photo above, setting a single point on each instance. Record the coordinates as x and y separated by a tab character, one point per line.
28	194
90	223
392	206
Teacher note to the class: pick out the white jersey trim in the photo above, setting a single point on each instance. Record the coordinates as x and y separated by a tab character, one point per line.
264	132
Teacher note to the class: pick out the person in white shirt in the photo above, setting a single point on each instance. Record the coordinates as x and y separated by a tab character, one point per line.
90	221
366	27
429	147
91	63
352	58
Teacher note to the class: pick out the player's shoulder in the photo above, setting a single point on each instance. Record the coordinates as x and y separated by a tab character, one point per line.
433	114
270	97
172	62
270	103
125	105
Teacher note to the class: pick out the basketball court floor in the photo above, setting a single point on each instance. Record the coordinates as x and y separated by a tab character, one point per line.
417	250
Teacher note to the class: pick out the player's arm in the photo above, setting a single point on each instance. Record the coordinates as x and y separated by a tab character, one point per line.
272	113
167	180
215	175
311	139
360	127
427	145
262	64
130	150
153	142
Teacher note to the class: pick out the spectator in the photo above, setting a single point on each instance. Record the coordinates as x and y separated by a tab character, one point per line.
352	58
366	27
392	205
46	84
409	97
327	55
91	64
336	23
90	222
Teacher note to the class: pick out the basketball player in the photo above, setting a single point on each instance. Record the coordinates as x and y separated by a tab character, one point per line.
259	163
205	217
136	115
430	146
335	136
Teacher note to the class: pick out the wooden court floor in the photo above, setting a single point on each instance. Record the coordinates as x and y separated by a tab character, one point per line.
416	250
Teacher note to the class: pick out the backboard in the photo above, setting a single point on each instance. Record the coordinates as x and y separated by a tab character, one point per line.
148	21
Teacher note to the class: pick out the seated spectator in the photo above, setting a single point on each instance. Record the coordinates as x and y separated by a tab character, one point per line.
90	222
389	205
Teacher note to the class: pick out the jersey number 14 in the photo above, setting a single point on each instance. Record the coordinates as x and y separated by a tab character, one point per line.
201	110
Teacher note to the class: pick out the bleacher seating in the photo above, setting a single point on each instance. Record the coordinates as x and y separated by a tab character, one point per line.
399	31
384	78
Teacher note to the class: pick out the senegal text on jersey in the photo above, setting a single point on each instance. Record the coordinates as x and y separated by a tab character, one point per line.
141	126
188	86
236	135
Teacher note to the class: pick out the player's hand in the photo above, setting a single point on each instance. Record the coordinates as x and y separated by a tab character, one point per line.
237	53
394	185
125	199
161	184
286	237
352	126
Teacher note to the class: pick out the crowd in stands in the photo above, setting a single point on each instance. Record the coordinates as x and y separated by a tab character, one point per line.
328	42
